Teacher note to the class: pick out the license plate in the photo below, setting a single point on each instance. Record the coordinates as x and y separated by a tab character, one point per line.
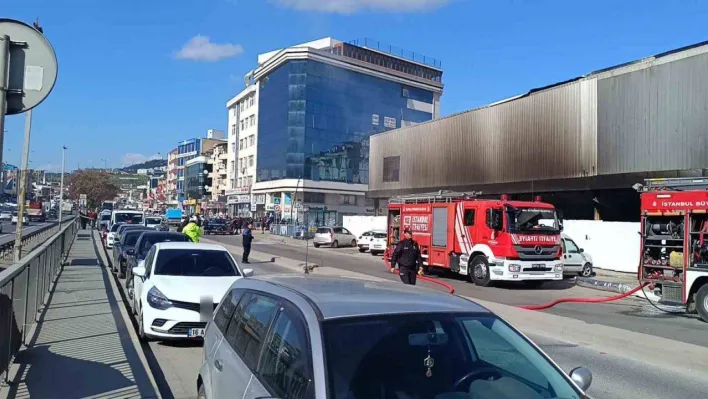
538	266
195	332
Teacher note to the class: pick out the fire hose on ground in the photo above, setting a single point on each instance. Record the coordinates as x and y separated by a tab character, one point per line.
551	304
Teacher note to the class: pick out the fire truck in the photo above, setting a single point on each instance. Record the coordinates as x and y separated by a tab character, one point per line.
486	240
674	241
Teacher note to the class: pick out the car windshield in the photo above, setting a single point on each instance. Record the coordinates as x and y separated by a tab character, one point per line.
131	237
323	230
153	220
532	220
152	239
195	262
105	217
124	217
435	356
379	235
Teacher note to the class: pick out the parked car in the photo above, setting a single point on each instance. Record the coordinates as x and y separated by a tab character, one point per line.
365	239
118	239
146	240
282	336
111	236
126	248
575	259
334	237
52	214
217	226
6	216
104	219
378	243
177	283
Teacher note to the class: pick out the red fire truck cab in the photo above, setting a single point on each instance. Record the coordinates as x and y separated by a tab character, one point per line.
674	244
487	240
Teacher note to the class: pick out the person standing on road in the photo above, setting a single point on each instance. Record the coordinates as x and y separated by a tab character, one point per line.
408	258
247	240
193	230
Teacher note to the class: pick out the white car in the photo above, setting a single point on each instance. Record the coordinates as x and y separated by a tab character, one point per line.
178	286
575	259
378	243
334	237
153	221
111	236
6	215
365	239
25	221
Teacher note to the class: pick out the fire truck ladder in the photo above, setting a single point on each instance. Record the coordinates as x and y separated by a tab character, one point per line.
438	196
676	183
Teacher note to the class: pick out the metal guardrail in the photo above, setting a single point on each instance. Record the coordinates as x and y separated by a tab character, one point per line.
24	289
291	230
7	249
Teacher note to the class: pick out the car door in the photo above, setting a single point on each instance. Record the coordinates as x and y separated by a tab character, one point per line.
236	358
572	259
285	367
347	237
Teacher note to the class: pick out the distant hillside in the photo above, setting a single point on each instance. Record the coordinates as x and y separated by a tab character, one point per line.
153	163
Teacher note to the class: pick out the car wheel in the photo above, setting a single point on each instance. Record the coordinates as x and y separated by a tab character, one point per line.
362	250
202	392
353	243
479	271
702	302
335	244
373	253
316	245
587	270
141	328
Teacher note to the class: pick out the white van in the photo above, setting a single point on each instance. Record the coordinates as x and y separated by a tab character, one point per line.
125	216
575	260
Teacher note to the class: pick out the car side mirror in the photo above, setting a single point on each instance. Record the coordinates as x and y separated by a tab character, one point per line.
130	252
560	226
582	377
139	271
247	272
581	250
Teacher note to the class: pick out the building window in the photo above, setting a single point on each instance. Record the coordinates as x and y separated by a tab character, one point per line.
240	144
250	100
242	127
347	199
241	104
233	129
391	166
252	120
250	160
233	165
314	198
252	139
240	181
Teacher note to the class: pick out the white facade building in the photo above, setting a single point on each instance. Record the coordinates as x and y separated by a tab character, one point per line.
325	98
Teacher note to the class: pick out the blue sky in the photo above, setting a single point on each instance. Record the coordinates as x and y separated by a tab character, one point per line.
126	91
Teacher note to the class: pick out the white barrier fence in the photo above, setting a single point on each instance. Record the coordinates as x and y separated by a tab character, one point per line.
612	245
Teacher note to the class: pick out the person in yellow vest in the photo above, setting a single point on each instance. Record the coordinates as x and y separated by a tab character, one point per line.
193	230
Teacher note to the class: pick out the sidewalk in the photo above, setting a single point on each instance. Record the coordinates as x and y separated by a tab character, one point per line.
81	347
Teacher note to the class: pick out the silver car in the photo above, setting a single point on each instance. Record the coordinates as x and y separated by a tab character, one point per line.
334	237
306	337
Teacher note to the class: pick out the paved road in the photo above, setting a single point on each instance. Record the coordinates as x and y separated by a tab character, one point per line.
8	230
176	364
631	314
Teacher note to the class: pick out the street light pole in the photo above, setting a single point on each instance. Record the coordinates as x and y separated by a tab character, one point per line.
23	187
61	185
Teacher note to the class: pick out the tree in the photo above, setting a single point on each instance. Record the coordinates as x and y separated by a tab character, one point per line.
96	184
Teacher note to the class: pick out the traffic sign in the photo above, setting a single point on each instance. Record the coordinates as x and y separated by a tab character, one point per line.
31	64
276	208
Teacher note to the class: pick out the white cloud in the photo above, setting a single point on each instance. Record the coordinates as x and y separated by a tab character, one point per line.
199	48
352	6
132	158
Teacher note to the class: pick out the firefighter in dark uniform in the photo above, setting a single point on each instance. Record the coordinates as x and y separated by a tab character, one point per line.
408	259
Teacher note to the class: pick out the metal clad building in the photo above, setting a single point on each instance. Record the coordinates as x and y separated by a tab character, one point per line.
600	131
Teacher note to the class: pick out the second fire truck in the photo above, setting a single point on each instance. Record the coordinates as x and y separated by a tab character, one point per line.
486	240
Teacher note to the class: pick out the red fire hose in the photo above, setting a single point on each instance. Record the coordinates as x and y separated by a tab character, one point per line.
451	290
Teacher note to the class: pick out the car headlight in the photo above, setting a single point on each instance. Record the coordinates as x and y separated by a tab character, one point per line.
514	268
157	299
559	267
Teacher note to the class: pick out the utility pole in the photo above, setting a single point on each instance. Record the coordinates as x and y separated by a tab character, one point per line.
292	206
23	187
4	82
61	185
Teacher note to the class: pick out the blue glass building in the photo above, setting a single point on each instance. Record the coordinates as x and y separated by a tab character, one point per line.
186	150
316	119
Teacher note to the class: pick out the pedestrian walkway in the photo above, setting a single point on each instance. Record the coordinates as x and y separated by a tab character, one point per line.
82	348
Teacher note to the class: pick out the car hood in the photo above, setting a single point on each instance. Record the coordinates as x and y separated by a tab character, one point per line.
191	289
